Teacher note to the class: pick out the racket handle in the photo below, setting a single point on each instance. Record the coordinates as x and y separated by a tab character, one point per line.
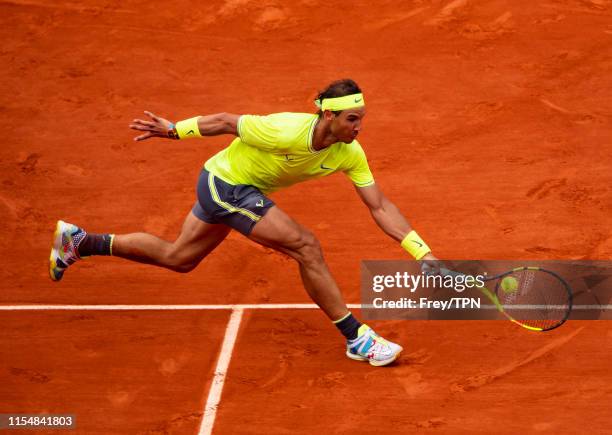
446	272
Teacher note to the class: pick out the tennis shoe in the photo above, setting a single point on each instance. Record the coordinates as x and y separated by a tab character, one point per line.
64	251
369	346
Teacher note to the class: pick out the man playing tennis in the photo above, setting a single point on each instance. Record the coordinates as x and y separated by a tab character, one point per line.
269	153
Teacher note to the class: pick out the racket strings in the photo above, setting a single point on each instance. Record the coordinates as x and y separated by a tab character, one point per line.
540	301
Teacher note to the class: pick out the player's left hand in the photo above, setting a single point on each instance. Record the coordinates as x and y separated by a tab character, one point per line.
157	127
430	265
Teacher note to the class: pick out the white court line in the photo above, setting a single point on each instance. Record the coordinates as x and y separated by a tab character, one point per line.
216	387
58	307
545	307
229	340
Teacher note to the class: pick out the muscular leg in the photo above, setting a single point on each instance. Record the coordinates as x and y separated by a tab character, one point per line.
278	231
196	240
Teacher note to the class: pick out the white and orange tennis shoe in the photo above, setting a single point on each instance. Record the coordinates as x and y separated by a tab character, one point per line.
64	251
369	346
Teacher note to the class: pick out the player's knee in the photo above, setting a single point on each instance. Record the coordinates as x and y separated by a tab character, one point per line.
183	267
309	248
179	263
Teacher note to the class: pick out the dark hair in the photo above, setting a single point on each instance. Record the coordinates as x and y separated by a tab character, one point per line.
339	88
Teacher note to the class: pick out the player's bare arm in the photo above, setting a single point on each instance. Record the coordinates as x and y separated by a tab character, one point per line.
207	125
387	216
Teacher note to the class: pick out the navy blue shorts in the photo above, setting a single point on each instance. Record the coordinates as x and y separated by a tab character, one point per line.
238	206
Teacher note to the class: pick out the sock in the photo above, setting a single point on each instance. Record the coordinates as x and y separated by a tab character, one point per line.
349	326
96	244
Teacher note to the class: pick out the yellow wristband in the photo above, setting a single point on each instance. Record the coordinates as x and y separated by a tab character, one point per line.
415	245
188	128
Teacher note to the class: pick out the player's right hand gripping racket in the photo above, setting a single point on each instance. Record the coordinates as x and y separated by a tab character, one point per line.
541	301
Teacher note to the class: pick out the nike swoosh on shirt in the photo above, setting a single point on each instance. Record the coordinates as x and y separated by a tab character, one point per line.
325	167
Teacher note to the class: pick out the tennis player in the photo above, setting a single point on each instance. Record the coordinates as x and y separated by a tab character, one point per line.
269	153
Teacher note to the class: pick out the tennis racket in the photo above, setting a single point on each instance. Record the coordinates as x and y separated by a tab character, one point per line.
542	300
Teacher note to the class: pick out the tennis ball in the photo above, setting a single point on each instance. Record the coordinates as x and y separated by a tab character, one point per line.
509	284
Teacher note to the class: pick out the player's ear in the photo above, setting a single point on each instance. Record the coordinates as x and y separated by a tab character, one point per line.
328	115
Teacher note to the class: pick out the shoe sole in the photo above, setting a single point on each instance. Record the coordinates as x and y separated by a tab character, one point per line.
55	250
373	362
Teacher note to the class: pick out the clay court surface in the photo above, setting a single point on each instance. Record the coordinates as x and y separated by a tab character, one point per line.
489	125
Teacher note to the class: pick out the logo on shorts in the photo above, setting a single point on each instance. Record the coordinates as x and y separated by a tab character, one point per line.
259	203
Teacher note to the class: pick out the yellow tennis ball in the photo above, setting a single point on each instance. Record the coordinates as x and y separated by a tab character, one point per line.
509	284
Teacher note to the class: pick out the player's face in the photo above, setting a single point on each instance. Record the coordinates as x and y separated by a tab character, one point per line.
347	125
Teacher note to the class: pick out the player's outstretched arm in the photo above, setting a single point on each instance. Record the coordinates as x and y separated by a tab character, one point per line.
389	218
208	125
